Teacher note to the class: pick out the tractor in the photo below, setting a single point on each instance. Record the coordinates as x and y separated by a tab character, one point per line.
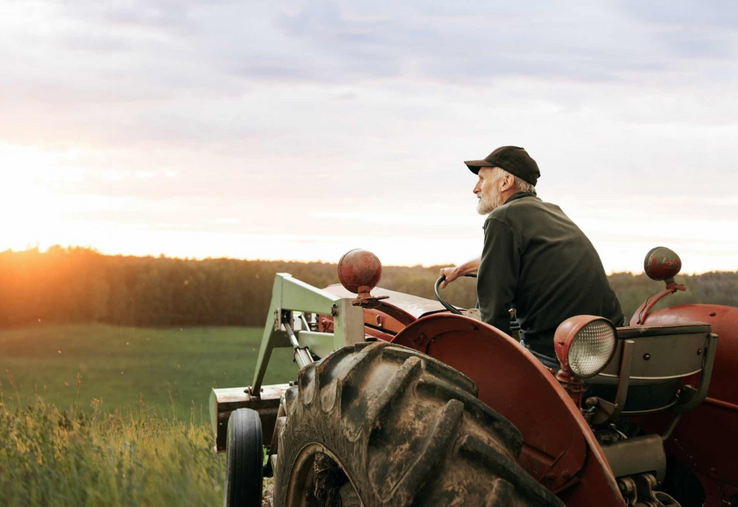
402	400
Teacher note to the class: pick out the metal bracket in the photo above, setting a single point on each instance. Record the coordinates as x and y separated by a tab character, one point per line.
689	397
638	491
291	295
607	411
366	300
639	317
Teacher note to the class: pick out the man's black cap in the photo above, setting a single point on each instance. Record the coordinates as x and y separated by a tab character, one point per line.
513	160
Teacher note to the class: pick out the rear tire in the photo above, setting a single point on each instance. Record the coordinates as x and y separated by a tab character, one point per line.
398	428
244	459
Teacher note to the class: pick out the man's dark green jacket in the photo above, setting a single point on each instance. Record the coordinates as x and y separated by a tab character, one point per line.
538	261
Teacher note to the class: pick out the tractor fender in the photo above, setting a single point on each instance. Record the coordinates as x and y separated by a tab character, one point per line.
559	449
705	439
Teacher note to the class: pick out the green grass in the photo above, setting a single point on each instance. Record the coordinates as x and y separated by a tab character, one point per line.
169	369
96	415
53	457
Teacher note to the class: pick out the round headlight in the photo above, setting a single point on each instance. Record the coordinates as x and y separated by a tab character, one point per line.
585	344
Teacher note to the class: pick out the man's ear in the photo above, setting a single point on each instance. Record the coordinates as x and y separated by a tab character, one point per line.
507	182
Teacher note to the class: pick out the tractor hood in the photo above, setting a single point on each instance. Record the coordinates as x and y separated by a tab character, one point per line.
413	305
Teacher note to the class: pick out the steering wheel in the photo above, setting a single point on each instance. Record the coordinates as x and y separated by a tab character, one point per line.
451	308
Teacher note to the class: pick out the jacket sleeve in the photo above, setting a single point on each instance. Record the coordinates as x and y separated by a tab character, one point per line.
498	274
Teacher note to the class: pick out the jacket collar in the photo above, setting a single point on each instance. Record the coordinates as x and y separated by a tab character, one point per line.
518	195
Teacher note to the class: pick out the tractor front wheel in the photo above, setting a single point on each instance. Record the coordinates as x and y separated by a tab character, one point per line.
380	424
244	459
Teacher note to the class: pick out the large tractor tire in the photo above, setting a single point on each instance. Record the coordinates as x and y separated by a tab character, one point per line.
383	425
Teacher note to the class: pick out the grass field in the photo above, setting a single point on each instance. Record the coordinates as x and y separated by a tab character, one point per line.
171	370
69	458
94	415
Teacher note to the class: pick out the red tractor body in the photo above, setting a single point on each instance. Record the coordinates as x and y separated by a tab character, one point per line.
585	447
559	450
706	439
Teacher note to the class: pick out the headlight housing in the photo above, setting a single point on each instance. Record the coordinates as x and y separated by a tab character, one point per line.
585	344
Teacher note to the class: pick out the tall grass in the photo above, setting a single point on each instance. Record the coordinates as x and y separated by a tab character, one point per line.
71	457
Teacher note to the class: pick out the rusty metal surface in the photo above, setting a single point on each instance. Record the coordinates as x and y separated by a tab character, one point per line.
412	305
661	353
225	401
388	321
359	270
641	313
559	449
723	321
389	328
383	322
706	439
662	263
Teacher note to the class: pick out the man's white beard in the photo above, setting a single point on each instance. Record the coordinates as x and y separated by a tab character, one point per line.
487	204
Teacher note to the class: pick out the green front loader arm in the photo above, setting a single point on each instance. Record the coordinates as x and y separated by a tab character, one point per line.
291	295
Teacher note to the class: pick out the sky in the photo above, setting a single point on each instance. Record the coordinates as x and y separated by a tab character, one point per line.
302	129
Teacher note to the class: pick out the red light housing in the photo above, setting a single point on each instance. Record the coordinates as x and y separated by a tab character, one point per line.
585	344
359	271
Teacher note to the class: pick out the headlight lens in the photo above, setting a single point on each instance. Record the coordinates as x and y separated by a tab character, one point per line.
592	348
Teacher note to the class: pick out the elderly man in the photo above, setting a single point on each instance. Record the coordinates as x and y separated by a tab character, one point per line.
534	259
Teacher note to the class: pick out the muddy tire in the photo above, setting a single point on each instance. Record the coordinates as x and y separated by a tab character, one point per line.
385	425
244	459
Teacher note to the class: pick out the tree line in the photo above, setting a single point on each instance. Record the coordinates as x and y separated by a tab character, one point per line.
77	285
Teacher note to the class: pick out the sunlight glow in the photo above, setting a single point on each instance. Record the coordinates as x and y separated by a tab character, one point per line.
50	198
36	191
27	205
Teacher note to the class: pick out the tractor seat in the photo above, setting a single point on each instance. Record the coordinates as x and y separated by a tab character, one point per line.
658	360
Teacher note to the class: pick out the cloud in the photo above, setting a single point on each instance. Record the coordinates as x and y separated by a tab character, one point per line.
283	113
489	41
128	53
711	14
159	48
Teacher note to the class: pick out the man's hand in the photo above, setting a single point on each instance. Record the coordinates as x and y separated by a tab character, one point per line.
453	272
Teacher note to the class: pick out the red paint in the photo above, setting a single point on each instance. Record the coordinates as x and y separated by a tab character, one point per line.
359	271
641	313
662	263
565	334
559	448
384	321
706	439
723	404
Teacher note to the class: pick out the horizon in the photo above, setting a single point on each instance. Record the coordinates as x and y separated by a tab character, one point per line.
38	249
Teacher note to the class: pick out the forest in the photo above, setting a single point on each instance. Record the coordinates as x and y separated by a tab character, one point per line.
81	285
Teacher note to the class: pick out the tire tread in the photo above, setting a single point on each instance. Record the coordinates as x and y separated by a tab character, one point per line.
406	429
